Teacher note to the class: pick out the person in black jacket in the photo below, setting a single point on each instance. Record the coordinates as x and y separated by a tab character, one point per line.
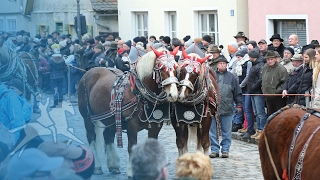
123	61
276	44
254	85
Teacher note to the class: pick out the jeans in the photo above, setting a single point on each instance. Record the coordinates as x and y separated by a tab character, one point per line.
238	117
226	126
258	103
247	107
57	84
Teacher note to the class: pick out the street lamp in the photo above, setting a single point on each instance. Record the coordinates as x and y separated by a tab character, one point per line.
78	22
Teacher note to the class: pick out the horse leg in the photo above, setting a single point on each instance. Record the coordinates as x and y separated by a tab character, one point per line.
94	135
203	135
113	160
132	133
181	136
154	131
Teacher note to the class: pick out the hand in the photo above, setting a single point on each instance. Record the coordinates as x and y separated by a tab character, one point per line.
284	93
238	109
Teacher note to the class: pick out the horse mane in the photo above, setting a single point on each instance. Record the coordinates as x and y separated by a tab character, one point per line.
146	64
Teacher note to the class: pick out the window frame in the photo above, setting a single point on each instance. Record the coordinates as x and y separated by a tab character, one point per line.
208	31
8	26
172	33
140	31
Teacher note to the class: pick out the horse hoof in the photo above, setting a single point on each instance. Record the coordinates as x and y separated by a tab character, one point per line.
114	170
98	171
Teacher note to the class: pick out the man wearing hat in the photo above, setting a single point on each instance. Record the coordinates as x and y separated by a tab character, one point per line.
286	61
292	83
230	92
97	56
214	51
240	36
274	75
276	44
110	55
263	47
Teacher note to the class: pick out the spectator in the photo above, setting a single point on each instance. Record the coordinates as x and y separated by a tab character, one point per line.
166	41
97	56
136	40
57	74
287	57
110	55
120	43
127	46
194	165
240	36
251	45
294	43
117	39
316	82
232	49
215	52
144	41
123	61
15	111
254	87
263	47
291	86
148	161
230	92
149	45
161	39
205	42
153	39
274	75
276	44
43	69
55	35
32	163
25	46
88	52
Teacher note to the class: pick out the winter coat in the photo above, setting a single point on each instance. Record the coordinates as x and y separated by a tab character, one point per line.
255	77
43	69
305	84
96	58
121	64
279	49
88	53
110	57
230	92
292	83
287	63
15	111
273	79
57	67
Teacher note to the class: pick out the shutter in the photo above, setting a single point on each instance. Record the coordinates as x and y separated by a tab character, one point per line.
37	29
298	27
90	30
66	28
46	29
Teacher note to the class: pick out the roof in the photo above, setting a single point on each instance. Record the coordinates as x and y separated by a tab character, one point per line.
104	5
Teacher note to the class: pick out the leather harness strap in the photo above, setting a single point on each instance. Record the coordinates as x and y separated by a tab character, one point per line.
270	157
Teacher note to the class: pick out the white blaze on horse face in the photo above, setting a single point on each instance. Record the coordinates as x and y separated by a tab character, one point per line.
183	89
173	88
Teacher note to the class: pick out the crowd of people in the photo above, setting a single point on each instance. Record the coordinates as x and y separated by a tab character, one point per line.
255	80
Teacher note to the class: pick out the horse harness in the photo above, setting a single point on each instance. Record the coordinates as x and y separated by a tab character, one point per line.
299	166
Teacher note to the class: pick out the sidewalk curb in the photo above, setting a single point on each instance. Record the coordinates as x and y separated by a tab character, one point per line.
236	135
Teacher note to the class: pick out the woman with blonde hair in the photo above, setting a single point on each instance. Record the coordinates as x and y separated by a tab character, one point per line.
316	82
194	165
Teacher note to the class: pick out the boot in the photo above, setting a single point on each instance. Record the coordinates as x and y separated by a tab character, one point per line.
256	134
244	129
259	135
55	103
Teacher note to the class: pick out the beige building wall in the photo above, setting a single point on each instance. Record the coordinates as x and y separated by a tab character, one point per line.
187	17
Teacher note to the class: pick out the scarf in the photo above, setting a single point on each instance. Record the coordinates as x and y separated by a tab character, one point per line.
238	68
296	70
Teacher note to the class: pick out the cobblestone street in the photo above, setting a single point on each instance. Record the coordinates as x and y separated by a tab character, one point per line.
243	163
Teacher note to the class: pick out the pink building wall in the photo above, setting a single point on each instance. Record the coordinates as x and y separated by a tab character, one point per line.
259	9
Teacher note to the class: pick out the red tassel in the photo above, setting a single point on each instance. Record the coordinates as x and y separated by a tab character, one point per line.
285	175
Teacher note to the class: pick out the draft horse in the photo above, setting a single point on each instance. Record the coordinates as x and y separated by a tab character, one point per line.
197	102
21	66
289	147
110	100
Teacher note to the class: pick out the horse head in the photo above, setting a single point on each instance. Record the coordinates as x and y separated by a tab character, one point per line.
191	74
165	66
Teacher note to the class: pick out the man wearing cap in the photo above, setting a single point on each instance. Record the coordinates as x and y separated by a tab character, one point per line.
263	47
97	56
230	93
206	41
274	75
232	49
294	43
291	85
254	87
276	44
110	55
286	61
240	36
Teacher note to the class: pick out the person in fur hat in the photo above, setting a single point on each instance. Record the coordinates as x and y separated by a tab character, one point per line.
276	44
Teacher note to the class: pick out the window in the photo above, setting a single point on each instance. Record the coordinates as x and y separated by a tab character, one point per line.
172	24
59	27
208	22
142	24
291	26
1	25
11	25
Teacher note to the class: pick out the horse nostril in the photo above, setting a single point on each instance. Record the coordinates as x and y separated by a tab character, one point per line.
170	95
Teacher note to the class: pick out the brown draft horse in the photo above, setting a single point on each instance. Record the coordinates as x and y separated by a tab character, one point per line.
197	86
157	73
289	147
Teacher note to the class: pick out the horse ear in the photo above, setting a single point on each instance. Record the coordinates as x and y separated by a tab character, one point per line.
184	54
202	60
175	51
156	52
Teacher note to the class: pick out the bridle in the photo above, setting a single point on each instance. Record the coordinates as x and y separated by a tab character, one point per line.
168	63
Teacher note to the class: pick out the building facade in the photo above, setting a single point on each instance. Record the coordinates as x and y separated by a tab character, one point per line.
284	17
15	15
217	18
